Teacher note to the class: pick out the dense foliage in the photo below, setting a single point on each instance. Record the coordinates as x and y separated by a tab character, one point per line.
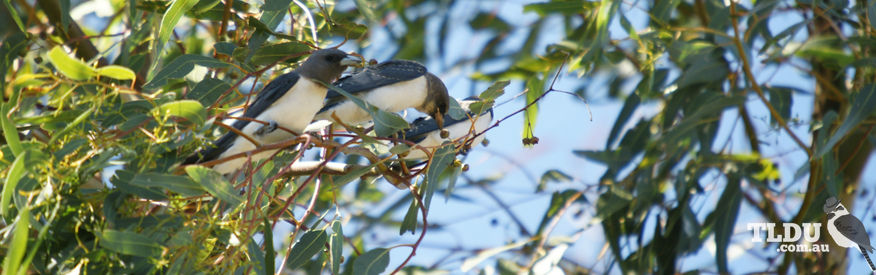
97	117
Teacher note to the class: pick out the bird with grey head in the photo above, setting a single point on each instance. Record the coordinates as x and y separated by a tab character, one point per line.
290	101
470	124
391	86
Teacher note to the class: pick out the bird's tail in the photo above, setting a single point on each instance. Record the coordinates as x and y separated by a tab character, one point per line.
869	262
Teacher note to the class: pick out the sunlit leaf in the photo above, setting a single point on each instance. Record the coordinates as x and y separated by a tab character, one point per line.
69	66
117	72
562	7
189	109
15	173
171	17
180	67
18	244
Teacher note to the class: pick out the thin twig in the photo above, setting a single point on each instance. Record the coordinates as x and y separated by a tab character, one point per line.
746	67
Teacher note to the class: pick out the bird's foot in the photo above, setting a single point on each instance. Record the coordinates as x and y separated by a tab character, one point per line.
266	129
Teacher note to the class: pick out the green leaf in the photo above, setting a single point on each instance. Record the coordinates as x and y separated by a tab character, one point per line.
180	67
122	180
16	172
275	52
486	20
442	158
276	5
257	256
630	105
341	180
535	86
494	91
336	245
79	119
71	67
179	184
780	98
725	220
455	110
188	109
226	48
385	123
171	17
215	184
410	221
18	245
117	72
203	6
452	183
208	91
552	175
10	132
826	49
268	231
373	262
130	243
863	105
310	243
12	46
561	7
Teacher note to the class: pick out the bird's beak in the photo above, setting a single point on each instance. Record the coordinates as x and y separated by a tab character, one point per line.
439	118
352	60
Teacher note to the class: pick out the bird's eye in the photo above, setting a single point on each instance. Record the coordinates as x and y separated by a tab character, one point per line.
840	208
332	58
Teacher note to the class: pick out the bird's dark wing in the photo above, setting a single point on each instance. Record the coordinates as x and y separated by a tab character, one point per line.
273	91
386	73
853	229
423	126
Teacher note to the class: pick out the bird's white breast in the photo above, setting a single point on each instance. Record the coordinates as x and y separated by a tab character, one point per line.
391	98
294	110
838	236
457	130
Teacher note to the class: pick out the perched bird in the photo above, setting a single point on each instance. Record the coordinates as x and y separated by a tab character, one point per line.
847	230
427	133
291	100
391	86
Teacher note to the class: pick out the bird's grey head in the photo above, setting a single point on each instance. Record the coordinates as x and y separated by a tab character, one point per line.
437	99
326	65
832	205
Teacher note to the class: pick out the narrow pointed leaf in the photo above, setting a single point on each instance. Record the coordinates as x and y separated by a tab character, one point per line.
215	184
310	243
373	262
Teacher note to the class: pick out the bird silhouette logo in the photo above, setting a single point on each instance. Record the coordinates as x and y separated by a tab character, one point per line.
847	230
